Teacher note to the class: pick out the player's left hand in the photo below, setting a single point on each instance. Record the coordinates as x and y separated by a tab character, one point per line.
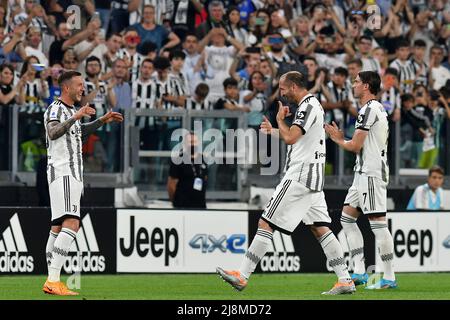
334	132
112	116
283	111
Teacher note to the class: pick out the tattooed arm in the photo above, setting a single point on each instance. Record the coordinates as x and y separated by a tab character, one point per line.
56	129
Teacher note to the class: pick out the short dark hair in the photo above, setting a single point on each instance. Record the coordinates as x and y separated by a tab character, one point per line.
436	169
406	97
310	58
66	76
420	43
147	60
365	37
161	63
371	78
356	61
93	58
402	44
202	90
391	71
341	72
230	82
177	54
296	78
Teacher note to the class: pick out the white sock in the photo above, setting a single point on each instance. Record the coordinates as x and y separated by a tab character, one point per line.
49	248
333	250
355	242
385	246
256	252
59	254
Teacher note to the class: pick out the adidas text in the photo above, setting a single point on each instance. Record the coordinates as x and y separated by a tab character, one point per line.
280	262
84	262
15	262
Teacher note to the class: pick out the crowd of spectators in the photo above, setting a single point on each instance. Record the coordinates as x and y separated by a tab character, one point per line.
211	55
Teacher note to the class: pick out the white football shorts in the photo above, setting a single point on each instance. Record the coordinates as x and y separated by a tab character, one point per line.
293	203
367	193
65	196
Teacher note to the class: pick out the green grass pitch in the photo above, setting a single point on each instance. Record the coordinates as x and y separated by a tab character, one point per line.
412	286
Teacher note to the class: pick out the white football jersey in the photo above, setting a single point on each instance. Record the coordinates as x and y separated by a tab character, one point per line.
65	153
305	160
372	159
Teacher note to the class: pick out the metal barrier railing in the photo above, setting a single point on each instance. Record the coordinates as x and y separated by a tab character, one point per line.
129	155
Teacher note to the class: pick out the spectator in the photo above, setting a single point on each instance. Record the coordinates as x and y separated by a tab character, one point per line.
255	99
439	74
329	52
252	59
94	45
187	181
364	53
143	92
233	26
218	59
215	19
34	46
122	91
380	55
192	67
199	100
170	96
302	39
260	25
66	40
70	61
148	30
177	59
110	54
12	49
429	195
405	70
130	55
183	18
9	95
279	56
420	69
103	7
164	10
440	111
312	66
120	14
354	67
231	99
390	95
53	85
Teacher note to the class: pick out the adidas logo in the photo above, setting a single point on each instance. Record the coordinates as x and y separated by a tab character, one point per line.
84	254
281	255
13	249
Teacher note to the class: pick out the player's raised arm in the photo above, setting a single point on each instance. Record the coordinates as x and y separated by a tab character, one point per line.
353	145
290	135
90	127
57	129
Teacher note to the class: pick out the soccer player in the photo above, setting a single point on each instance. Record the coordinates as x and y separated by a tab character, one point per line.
64	134
368	191
299	196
